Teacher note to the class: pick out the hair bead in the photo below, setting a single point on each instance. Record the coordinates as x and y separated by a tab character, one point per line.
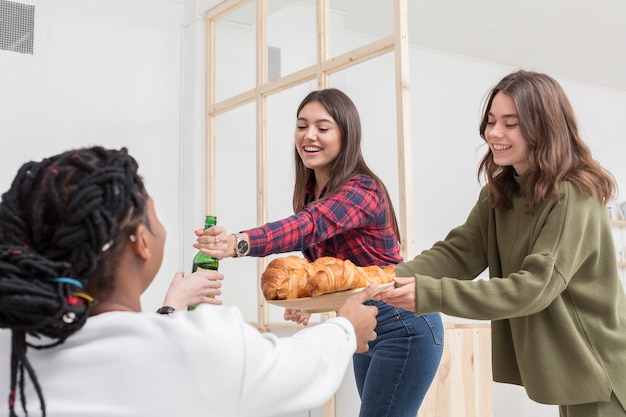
67	280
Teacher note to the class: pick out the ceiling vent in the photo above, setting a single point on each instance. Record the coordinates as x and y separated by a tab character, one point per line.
17	27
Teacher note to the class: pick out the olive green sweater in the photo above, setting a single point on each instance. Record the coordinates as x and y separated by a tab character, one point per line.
556	303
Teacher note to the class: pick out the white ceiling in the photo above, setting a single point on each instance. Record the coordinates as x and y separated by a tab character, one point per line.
582	40
577	39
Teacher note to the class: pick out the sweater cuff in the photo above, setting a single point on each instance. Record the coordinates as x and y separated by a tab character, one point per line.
428	295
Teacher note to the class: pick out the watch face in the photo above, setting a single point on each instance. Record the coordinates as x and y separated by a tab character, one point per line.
242	247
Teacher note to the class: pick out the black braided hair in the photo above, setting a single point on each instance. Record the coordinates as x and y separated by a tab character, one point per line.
62	224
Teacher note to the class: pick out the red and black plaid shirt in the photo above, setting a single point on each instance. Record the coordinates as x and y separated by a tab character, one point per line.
350	224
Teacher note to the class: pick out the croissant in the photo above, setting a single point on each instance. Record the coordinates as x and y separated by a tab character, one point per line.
294	277
285	278
334	275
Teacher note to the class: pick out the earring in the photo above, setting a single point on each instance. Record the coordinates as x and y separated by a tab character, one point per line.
133	238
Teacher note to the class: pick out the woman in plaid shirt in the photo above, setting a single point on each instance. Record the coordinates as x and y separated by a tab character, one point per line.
343	210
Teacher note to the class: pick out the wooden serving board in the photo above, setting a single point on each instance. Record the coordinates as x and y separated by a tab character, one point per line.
323	303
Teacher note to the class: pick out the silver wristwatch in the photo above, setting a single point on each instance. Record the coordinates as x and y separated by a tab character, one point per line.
241	245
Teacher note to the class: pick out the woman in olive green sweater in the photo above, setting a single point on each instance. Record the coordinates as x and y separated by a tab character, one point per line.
557	306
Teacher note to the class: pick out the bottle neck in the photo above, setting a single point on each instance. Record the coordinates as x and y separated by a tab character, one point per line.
210	221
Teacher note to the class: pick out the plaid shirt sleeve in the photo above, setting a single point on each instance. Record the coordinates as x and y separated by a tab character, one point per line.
357	203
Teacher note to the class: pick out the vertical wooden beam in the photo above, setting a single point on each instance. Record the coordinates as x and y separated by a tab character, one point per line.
403	116
323	81
322	18
261	146
209	157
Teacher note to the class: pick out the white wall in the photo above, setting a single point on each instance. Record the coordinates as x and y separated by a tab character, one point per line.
130	73
102	73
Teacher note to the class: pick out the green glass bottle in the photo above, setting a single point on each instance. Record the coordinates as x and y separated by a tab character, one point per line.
202	260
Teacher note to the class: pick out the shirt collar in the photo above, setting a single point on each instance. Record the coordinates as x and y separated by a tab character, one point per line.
310	189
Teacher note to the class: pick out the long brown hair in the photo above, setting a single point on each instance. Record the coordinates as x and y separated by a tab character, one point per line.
350	159
556	151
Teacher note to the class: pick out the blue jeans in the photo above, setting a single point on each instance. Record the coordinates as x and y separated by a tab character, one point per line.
394	375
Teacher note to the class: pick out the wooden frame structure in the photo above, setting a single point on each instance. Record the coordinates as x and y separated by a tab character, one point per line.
396	43
466	366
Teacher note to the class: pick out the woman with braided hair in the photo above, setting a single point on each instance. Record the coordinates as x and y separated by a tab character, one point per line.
79	243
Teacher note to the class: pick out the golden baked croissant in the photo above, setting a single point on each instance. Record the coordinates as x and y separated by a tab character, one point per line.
294	277
285	278
334	275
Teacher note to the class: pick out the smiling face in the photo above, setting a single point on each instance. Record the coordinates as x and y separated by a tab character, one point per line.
504	136
318	139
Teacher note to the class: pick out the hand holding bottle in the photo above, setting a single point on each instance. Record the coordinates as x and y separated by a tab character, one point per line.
215	242
193	289
202	261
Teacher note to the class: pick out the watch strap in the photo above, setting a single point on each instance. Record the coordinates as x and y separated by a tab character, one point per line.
166	310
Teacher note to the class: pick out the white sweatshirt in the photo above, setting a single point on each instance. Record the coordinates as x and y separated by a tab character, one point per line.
206	362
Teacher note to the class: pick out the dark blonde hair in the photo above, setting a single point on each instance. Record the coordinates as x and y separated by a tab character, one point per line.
556	151
350	159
